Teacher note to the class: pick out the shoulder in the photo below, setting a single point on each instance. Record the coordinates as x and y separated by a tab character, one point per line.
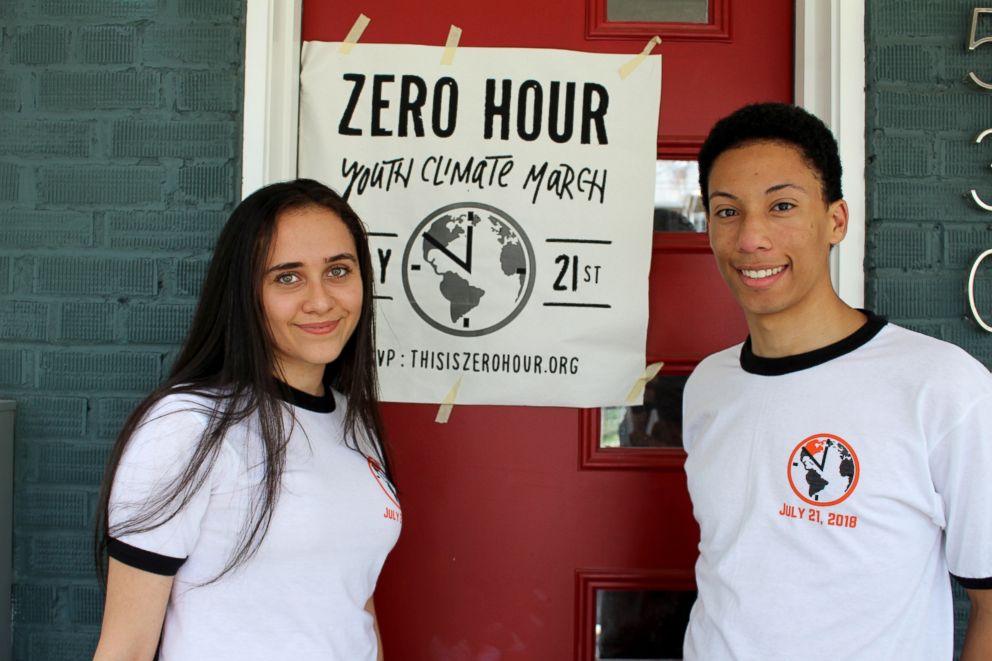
943	383
716	366
178	408
930	360
183	403
173	424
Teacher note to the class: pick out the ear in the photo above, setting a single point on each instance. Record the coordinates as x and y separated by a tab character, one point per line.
839	216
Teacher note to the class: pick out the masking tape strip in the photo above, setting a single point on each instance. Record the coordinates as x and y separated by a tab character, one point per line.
454	35
628	67
354	34
444	411
650	372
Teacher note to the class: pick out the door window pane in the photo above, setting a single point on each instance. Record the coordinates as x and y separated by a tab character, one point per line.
647	625
655	424
678	206
658	11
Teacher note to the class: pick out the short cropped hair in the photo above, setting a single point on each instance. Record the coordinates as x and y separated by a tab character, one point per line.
775	122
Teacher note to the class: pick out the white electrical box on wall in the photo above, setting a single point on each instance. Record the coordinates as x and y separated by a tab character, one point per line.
6	521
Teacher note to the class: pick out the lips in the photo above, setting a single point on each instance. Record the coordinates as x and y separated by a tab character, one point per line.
320	328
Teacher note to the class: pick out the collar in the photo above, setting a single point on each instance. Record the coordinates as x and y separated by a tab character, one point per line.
802	361
304	400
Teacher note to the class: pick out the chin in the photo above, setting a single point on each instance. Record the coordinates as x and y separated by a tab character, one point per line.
327	358
753	307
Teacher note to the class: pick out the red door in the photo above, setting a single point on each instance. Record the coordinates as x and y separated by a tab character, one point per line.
524	537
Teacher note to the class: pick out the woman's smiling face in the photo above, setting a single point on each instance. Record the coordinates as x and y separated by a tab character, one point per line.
311	293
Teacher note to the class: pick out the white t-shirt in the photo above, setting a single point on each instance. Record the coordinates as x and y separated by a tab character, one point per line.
834	491
303	593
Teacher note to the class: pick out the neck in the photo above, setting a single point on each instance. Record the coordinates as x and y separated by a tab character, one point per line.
309	381
792	332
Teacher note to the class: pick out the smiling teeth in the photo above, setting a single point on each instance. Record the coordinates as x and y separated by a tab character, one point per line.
763	273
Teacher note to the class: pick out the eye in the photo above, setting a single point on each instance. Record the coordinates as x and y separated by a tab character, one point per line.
725	213
338	271
287	278
783	206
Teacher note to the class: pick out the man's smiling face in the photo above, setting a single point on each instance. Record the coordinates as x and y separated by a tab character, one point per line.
771	229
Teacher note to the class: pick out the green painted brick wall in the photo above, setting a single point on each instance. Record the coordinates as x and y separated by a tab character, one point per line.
120	127
923	229
923	115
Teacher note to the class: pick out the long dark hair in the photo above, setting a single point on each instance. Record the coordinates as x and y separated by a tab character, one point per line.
227	358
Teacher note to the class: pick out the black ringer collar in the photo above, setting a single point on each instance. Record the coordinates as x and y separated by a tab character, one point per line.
304	400
802	361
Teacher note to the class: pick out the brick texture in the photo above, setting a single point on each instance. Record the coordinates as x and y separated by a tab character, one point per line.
206	90
42	230
923	229
164	231
196	139
10	92
11	367
10	182
54	508
64	462
39	139
60	91
88	322
40	44
99	10
120	133
108	44
100	186
923	116
93	275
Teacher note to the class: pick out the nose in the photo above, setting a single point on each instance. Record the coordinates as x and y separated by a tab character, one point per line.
318	299
752	233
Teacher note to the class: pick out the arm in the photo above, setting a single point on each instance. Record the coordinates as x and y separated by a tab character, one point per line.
370	607
978	639
133	613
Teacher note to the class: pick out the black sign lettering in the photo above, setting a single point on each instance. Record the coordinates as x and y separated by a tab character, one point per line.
567	117
451	86
501	108
379	104
591	113
411	107
344	126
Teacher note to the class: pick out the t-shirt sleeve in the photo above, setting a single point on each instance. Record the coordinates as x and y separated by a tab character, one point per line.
157	454
960	465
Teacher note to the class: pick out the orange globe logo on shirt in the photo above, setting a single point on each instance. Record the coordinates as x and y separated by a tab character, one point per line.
823	470
384	483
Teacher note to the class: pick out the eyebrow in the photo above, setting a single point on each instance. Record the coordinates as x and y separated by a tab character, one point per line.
773	189
344	256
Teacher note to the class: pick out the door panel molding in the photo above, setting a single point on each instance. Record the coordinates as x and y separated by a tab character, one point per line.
830	83
684	148
717	29
271	93
594	457
589	581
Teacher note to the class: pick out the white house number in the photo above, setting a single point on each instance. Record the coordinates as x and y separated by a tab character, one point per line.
972	45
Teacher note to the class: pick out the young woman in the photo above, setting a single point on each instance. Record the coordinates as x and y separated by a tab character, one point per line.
246	505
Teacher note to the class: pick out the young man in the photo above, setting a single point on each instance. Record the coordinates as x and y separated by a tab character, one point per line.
838	464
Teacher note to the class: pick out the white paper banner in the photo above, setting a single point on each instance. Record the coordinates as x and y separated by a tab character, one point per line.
509	202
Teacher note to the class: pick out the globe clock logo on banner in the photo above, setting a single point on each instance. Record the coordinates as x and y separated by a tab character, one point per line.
468	269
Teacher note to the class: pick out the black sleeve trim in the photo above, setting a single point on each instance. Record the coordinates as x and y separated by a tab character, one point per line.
132	556
973	583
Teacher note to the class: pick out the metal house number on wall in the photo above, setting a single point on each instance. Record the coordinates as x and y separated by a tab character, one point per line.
972	45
